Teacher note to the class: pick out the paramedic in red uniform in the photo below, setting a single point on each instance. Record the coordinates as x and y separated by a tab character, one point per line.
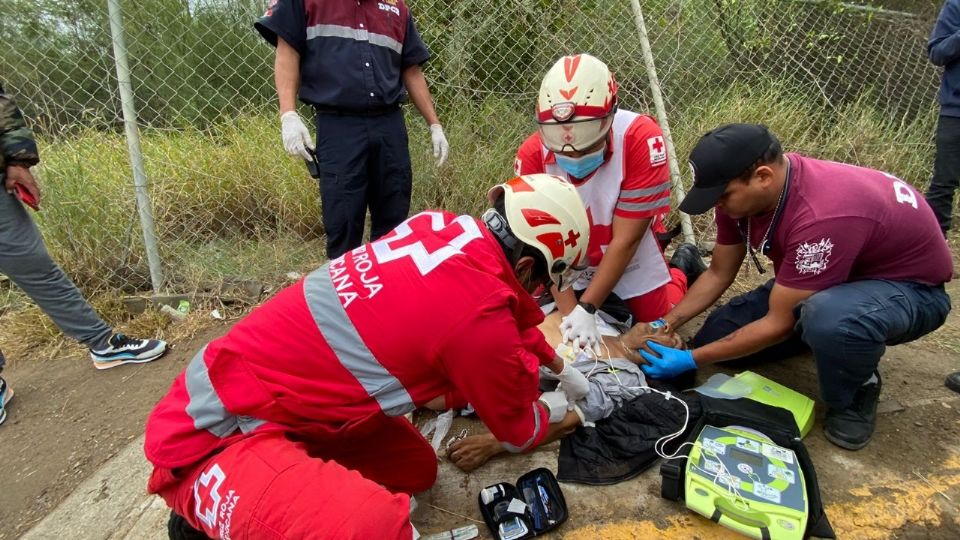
354	63
617	160
291	425
859	263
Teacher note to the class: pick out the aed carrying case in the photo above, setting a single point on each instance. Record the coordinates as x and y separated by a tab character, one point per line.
533	506
778	425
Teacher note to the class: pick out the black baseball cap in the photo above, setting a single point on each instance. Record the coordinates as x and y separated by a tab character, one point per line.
720	156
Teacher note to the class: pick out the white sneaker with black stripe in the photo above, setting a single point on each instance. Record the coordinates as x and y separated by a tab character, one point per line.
121	349
6	393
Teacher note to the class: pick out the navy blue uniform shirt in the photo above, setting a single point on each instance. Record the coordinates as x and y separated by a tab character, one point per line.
351	51
944	50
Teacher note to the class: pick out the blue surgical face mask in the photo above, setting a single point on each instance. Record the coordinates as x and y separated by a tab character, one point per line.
582	166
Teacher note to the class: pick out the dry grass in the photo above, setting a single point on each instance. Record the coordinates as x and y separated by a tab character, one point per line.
29	334
229	204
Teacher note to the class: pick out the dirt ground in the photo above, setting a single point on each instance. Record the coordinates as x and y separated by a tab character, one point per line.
67	419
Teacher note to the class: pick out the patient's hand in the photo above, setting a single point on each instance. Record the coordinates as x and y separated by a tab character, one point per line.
473	451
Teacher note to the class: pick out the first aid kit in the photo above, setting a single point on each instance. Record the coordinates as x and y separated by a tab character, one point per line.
531	507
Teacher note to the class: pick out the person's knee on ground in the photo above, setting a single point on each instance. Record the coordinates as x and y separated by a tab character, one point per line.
849	383
847	350
737	313
953	381
687	259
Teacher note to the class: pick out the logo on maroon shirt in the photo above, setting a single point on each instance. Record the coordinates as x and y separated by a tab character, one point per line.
812	258
389	6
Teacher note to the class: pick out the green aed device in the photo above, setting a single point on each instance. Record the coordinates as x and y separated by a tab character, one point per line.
740	479
758	388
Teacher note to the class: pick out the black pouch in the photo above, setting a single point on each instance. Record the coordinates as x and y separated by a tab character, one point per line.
774	422
539	507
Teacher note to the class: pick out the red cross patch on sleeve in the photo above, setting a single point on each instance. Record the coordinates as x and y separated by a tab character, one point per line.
658	151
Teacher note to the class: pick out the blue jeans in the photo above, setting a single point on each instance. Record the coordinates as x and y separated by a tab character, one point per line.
847	328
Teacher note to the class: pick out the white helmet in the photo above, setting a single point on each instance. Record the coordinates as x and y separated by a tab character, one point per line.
578	98
545	212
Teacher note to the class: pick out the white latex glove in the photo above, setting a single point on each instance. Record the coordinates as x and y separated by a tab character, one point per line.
296	136
556	405
580	328
573	383
440	146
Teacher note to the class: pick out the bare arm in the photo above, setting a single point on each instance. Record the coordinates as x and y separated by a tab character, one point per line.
287	75
566	300
626	237
772	328
416	85
469	453
710	286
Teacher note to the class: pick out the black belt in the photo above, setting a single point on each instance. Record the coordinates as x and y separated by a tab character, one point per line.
340	111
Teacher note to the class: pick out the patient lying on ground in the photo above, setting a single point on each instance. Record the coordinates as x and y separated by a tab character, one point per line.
614	377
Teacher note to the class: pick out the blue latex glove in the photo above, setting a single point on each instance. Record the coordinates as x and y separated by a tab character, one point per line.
670	363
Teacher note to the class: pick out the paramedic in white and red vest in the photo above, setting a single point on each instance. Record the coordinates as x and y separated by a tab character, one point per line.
291	425
617	160
859	263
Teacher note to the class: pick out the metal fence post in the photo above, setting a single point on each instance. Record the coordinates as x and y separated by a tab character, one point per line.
133	144
658	104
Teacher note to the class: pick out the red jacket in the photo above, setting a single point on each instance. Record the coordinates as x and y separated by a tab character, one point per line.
431	309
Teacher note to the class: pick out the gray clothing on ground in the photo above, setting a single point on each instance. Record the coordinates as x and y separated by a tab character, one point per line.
611	383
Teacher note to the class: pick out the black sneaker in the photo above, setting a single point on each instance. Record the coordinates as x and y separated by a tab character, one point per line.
852	428
121	349
953	381
179	529
687	258
6	394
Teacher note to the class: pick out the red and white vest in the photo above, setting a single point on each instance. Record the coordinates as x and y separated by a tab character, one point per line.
646	271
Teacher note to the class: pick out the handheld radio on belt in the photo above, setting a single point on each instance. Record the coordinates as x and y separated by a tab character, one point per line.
313	167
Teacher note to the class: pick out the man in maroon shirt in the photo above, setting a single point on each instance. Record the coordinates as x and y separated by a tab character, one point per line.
859	264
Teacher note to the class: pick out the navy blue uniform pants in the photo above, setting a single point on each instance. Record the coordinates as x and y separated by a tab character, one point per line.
847	328
364	163
946	171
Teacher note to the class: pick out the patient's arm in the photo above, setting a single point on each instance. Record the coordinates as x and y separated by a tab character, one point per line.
475	450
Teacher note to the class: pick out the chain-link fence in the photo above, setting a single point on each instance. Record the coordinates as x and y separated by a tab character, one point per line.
838	80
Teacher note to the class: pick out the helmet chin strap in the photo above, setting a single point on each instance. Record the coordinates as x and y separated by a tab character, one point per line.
497	224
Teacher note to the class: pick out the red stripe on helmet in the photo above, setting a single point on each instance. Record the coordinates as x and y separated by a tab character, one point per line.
554	241
535	217
519	185
568	94
570	65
